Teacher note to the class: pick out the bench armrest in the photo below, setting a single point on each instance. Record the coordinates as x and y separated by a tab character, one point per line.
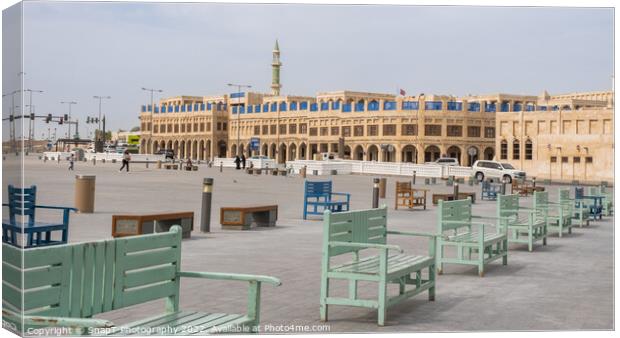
57	321
490	217
57	208
230	276
409	233
366	245
525	210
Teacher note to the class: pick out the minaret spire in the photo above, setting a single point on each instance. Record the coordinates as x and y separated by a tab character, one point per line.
275	71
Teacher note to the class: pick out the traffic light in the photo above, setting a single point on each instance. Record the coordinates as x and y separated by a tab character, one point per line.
60	121
66	118
11	118
48	118
88	119
32	116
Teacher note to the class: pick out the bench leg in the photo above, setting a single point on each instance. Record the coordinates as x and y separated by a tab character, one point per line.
324	295
530	239
438	259
431	278
481	250
505	257
382	308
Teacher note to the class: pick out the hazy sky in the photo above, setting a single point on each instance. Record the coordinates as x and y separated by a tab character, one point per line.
73	51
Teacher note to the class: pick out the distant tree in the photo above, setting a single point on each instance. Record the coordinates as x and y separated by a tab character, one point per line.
135	129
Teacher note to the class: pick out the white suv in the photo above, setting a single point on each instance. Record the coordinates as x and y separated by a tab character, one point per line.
493	169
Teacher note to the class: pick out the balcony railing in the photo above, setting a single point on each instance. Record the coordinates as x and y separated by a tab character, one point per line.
490	108
473	107
373	106
455	106
359	107
518	107
411	105
432	105
504	107
346	107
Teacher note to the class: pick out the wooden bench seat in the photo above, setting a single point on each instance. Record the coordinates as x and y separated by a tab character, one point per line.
455	230
523	225
396	265
354	231
183	323
69	284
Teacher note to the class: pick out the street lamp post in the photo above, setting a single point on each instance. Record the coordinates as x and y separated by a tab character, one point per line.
151	90
31	119
98	144
239	86
70	103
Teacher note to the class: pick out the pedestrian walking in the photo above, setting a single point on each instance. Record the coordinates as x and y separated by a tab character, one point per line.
237	162
126	159
243	161
71	161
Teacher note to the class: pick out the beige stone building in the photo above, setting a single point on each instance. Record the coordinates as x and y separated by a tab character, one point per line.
566	137
391	128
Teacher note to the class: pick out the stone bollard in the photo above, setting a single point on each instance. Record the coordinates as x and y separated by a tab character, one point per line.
158	164
94	161
40	157
113	160
414	174
44	159
303	171
221	166
180	165
147	162
375	193
456	191
58	159
103	160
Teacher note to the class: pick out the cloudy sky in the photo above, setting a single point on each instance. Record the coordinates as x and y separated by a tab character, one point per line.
73	51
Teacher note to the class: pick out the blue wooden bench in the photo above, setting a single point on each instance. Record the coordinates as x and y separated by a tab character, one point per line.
558	215
21	222
489	190
454	228
593	203
318	197
523	225
66	285
355	231
607	198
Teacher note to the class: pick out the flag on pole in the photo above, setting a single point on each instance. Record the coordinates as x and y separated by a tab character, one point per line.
402	92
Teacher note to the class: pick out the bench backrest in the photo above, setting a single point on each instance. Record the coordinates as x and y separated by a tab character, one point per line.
541	199
403	187
317	188
564	195
579	192
360	226
594	191
454	212
83	279
507	205
22	203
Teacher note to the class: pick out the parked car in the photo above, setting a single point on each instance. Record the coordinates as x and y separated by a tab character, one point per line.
447	161
169	153
492	169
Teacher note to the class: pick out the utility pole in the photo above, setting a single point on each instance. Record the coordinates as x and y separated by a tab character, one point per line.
70	103
239	86
31	120
98	144
151	90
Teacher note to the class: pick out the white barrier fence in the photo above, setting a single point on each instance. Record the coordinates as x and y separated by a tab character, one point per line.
53	155
380	168
258	163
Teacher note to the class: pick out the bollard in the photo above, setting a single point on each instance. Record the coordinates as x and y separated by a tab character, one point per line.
45	159
221	166
382	185
103	160
58	159
303	171
503	190
40	157
266	168
470	181
94	160
414	177
450	181
113	160
456	191
147	162
375	193
85	193
205	211
180	165
210	164
158	164
533	182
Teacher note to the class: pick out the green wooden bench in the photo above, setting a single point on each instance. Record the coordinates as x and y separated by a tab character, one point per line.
579	211
65	285
557	215
455	230
354	231
523	225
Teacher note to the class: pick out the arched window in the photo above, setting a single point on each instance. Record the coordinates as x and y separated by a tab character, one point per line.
516	150
373	105
528	149
503	150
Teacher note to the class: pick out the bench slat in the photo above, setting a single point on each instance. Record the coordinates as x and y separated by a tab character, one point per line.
149	276
149	242
108	275
141	295
148	258
41	297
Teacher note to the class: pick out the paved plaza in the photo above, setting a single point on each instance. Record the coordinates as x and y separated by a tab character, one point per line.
566	285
